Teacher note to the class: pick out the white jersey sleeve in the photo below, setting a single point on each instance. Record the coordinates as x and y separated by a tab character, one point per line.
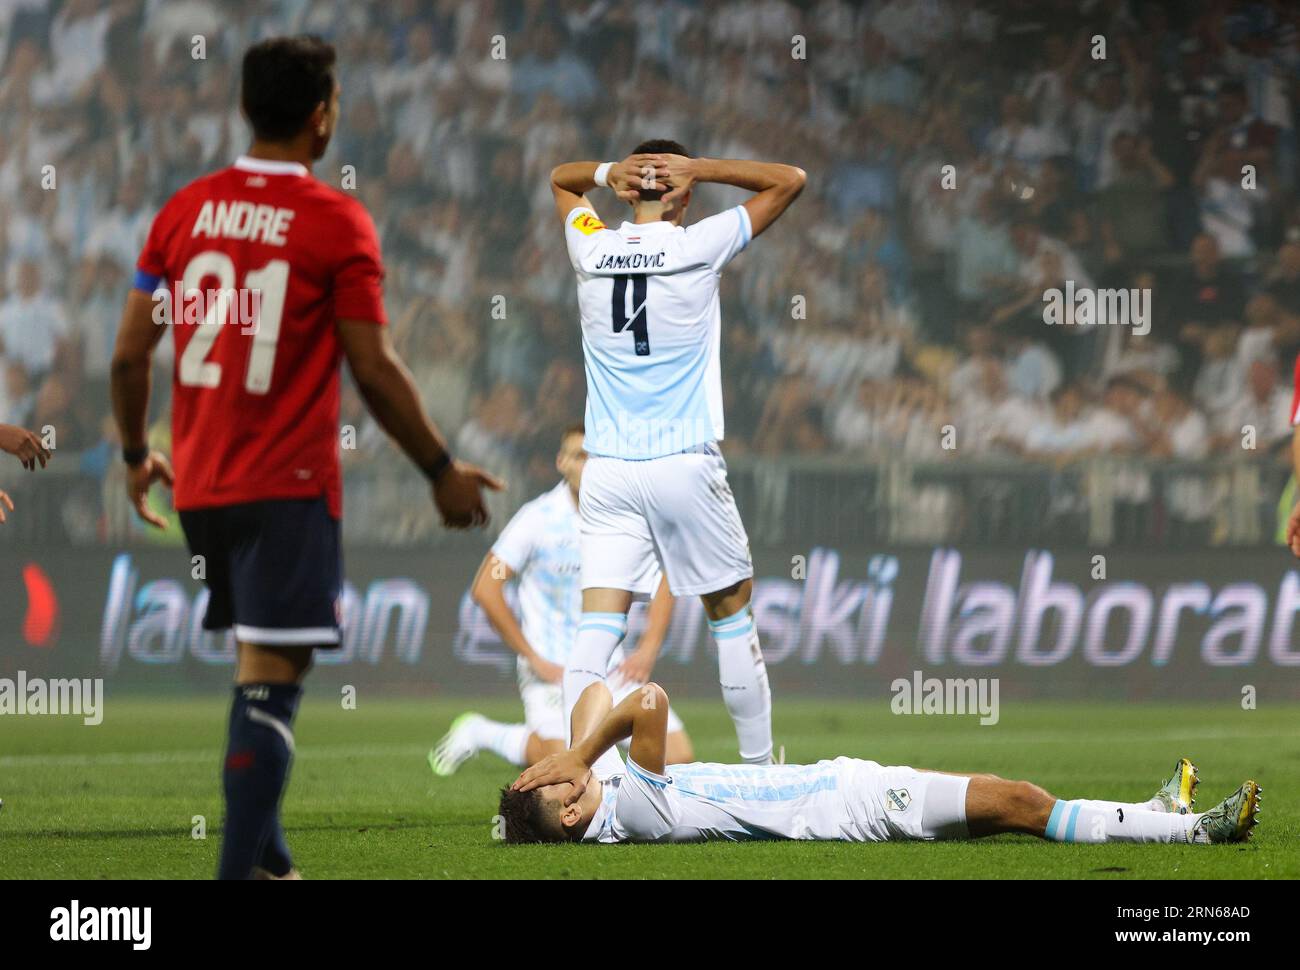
717	240
518	540
646	810
582	229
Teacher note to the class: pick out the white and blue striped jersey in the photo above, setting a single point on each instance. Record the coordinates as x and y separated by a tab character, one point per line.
540	545
706	802
651	322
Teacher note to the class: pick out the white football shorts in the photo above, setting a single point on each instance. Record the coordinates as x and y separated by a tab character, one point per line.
676	512
888	803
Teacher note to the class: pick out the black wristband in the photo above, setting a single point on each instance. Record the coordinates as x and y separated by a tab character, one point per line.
134	456
438	467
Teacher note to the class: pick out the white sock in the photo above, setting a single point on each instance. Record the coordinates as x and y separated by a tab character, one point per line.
745	690
1152	805
509	741
599	635
1096	821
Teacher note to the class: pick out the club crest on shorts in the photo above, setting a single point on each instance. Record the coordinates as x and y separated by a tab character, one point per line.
897	799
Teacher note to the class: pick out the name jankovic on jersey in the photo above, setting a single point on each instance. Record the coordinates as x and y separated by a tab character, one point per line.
631	261
102	924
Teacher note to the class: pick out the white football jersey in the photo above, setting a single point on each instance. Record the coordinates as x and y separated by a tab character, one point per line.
648	302
705	802
540	545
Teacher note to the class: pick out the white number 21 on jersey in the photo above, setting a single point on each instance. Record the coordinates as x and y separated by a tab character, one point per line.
269	283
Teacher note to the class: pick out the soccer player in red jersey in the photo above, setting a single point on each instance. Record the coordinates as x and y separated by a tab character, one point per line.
275	278
28	449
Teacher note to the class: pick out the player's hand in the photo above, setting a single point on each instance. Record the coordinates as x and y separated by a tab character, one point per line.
637	666
1293	531
636	172
24	445
565	768
140	478
459	495
5	501
680	174
552	673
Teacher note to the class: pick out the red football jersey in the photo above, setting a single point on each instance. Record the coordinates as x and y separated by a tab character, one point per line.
261	260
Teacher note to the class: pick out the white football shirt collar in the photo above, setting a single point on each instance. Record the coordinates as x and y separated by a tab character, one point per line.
268	166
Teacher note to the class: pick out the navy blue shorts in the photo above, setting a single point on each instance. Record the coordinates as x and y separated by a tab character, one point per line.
274	570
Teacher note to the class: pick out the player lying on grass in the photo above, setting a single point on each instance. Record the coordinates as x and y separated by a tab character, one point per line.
540	547
28	449
846	800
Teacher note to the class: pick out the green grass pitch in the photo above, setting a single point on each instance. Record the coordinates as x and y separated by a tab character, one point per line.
118	800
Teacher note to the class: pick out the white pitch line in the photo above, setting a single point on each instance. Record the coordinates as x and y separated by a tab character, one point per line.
331	752
194	756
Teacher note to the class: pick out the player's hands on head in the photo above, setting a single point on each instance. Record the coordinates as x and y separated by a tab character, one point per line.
680	173
636	172
458	495
5	502
564	768
24	445
140	478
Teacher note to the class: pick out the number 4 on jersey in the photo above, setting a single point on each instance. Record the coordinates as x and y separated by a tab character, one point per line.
640	332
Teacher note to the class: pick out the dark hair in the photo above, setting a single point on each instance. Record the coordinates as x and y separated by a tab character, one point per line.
528	818
659	146
284	78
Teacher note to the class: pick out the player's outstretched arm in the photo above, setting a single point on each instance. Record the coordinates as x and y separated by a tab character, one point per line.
489	592
23	445
389	391
28	449
137	336
776	185
641	716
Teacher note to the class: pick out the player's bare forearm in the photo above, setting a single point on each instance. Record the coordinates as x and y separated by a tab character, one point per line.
592	708
488	592
130	372
658	618
776	185
641	716
750	175
570	184
389	391
578	178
